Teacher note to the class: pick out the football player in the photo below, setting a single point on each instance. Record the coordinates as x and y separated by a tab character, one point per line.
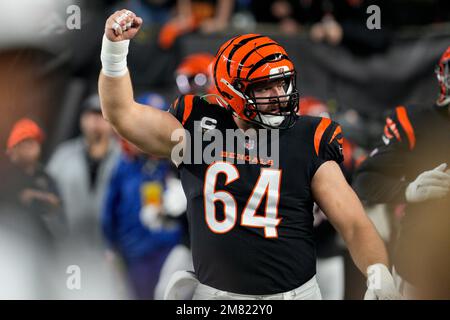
251	222
194	74
410	166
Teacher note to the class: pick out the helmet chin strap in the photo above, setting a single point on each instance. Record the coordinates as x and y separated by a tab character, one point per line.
268	121
271	120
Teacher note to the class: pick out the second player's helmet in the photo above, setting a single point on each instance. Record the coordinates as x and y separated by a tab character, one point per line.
193	75
443	76
311	106
246	62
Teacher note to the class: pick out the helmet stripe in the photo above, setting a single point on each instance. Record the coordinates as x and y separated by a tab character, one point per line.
236	47
217	60
219	54
265	60
406	125
241	65
320	130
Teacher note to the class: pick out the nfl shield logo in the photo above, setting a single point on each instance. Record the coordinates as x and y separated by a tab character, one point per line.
249	144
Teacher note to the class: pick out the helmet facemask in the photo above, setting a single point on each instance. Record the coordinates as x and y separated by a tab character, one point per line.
443	76
273	112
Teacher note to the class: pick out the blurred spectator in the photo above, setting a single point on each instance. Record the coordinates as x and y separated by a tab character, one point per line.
334	22
419	12
81	168
208	16
290	15
153	12
220	19
34	75
33	189
140	197
243	19
327	30
284	11
345	22
27	260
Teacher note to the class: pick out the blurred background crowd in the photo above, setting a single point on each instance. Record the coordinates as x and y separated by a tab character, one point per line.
73	193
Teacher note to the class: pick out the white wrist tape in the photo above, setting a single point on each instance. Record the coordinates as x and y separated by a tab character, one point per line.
114	57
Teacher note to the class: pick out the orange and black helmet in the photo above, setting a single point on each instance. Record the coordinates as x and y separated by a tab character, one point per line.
193	75
443	76
311	106
246	62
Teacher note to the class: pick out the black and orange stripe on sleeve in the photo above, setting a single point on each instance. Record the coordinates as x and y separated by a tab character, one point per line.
402	116
338	135
320	130
182	108
188	104
328	140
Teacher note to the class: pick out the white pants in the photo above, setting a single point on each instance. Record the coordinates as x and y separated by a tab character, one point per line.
180	258
308	291
330	276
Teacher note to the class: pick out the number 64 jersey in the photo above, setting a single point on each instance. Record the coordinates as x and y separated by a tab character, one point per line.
250	217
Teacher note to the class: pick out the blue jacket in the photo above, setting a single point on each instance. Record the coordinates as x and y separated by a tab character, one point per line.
121	222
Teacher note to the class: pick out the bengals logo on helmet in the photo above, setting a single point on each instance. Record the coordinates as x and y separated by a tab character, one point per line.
247	61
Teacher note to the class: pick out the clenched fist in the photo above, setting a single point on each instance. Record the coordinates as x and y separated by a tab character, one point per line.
122	25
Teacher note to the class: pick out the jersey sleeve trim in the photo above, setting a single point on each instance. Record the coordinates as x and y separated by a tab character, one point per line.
337	131
320	130
390	130
188	104
402	116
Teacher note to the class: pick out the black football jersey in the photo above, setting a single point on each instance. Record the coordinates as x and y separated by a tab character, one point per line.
251	221
415	139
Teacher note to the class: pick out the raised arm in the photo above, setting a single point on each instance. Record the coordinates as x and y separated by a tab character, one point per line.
148	128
